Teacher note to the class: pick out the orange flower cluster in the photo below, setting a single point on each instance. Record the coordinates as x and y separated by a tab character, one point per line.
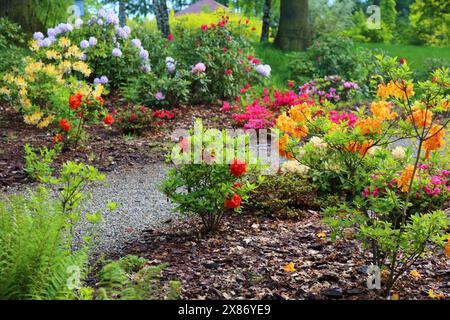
382	110
360	148
421	117
405	178
289	125
282	144
369	126
300	113
435	141
397	89
447	248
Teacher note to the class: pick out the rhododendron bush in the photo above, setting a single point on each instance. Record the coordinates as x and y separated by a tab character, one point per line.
394	194
207	181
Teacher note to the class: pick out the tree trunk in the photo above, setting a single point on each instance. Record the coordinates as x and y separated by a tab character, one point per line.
294	31
162	16
21	12
266	21
122	13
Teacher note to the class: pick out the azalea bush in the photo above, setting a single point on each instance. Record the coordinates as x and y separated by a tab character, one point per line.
393	192
206	181
135	119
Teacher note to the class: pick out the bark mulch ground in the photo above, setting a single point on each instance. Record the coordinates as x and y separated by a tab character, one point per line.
246	260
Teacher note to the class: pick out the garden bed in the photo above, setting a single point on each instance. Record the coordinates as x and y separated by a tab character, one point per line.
246	260
108	148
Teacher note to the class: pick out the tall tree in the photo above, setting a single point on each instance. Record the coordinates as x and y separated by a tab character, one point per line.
294	30
162	16
266	21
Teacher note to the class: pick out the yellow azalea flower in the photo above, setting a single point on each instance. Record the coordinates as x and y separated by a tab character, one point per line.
82	67
5	91
34	45
395	296
9	78
46	121
433	295
415	274
25	102
65	66
20	82
50	69
73	51
290	267
53	54
23	92
64	42
98	91
33	119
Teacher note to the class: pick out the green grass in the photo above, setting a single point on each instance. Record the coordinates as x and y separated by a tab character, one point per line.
415	55
278	61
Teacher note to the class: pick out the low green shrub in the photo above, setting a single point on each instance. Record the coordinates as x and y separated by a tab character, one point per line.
38	162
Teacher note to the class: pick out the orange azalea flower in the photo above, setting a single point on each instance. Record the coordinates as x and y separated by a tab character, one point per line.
285	123
447	248
356	147
383	110
405	178
369	126
435	141
300	132
282	143
299	113
399	90
421	117
290	267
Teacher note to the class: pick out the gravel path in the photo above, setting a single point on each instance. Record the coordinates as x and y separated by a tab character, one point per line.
140	205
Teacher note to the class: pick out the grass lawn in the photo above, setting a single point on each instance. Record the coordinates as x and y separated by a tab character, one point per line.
415	55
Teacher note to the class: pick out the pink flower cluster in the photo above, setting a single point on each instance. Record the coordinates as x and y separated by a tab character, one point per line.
263	111
349	118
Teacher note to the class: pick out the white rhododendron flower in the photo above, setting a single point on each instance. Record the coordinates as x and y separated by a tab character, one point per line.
399	153
293	166
318	142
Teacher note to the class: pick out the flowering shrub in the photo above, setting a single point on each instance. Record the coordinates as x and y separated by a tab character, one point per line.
134	119
330	88
209	182
398	193
263	110
220	59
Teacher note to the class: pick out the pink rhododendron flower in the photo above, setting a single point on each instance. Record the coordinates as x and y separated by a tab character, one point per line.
349	118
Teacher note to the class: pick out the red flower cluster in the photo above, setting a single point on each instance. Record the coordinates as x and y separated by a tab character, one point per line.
164	114
234	202
170	37
109	120
229	72
238	167
65	125
75	101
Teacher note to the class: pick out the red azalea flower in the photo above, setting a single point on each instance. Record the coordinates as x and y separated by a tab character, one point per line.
89	102
65	125
109	120
234	202
254	29
401	60
101	100
170	37
236	185
57	138
225	49
256	61
228	72
75	101
290	83
238	168
204	27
